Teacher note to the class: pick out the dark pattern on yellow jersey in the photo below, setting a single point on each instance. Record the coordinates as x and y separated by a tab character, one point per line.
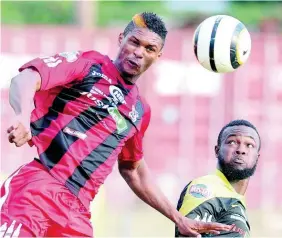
212	199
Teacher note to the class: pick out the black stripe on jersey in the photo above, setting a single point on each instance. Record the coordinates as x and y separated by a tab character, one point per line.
181	198
61	142
179	205
233	46
65	96
98	156
87	166
196	38
61	100
212	42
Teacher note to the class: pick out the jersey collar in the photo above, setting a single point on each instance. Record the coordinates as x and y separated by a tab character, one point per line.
222	177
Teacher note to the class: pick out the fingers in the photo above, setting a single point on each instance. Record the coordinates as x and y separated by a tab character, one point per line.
214	232
212	226
14	126
19	141
22	141
19	135
194	233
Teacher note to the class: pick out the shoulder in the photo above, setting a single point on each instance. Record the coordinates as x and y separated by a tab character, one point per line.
199	191
202	187
211	186
93	55
207	189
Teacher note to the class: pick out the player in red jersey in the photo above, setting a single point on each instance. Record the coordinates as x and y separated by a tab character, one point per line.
83	112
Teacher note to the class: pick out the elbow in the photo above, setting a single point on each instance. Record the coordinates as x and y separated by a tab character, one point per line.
14	81
130	171
28	78
15	86
127	174
124	172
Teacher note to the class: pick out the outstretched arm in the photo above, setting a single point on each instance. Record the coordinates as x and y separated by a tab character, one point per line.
137	176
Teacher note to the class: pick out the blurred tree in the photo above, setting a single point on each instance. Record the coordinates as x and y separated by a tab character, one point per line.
252	12
37	12
68	12
65	12
117	12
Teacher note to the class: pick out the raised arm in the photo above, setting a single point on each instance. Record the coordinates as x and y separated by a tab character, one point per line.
21	94
22	90
41	74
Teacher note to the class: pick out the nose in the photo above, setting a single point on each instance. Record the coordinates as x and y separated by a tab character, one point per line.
139	51
241	150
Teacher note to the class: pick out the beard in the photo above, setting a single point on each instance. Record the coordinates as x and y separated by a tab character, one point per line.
234	174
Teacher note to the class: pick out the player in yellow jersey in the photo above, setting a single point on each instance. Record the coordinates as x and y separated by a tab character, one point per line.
219	197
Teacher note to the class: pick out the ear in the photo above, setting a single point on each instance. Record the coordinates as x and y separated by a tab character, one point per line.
216	151
160	54
120	38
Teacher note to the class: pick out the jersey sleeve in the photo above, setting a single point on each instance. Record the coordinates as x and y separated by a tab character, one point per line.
236	216
60	69
196	202
133	148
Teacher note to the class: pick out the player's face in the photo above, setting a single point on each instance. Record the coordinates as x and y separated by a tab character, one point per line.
139	49
238	154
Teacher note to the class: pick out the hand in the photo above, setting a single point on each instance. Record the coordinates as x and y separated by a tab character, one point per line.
19	132
192	228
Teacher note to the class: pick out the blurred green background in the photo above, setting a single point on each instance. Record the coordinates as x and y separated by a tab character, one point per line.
109	13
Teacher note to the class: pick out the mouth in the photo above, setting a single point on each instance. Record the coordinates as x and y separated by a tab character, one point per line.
134	63
238	160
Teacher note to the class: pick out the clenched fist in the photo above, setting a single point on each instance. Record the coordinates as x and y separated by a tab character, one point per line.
19	132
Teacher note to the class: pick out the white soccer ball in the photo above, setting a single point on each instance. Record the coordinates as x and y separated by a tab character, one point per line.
222	43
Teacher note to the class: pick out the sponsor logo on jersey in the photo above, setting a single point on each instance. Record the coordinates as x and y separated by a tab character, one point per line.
117	94
200	191
115	98
118	118
98	102
133	114
75	133
97	74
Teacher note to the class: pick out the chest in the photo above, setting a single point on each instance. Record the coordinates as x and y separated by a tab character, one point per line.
110	100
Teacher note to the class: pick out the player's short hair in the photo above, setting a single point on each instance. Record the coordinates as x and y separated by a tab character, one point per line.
237	123
150	20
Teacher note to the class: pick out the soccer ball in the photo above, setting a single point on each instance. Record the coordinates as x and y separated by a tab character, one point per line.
222	43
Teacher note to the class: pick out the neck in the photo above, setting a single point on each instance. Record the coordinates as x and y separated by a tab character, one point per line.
126	77
240	186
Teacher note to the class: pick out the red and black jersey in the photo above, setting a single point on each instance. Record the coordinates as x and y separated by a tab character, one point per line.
85	118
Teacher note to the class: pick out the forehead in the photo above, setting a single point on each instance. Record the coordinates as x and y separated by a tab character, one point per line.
146	36
244	131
